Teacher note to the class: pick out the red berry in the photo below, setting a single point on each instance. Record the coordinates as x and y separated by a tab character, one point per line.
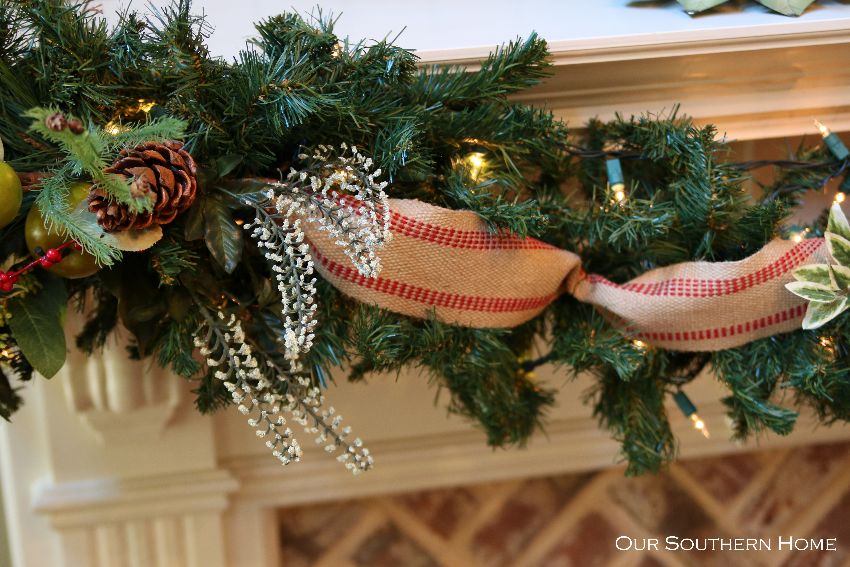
8	281
53	255
45	262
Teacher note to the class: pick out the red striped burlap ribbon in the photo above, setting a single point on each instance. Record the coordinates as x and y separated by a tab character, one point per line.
446	262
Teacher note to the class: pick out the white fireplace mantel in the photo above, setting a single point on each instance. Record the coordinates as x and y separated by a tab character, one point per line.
108	464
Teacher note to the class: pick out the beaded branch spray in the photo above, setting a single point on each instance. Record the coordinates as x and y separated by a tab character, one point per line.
340	194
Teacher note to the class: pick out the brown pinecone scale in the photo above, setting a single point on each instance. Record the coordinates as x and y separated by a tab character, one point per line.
163	171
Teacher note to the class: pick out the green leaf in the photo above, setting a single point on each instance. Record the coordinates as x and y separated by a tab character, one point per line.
814	273
787	7
812	291
839	277
222	235
37	322
699	5
837	223
194	227
227	163
818	314
839	248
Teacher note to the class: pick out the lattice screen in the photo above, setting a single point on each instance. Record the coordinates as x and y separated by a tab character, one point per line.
573	520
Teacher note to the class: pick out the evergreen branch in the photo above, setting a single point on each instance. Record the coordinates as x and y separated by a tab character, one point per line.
516	66
519	217
60	218
84	151
160	129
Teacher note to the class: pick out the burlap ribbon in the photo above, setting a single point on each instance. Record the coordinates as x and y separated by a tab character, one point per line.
447	263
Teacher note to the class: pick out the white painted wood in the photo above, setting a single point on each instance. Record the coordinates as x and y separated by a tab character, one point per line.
138	486
442	29
457	454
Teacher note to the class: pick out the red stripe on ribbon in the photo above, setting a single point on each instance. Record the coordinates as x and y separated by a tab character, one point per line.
683	287
471	239
432	297
729	330
451	237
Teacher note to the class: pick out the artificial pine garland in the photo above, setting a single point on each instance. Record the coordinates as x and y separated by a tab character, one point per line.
280	136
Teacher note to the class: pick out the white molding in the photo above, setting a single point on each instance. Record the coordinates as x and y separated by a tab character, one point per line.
105	499
135	494
156	521
638	46
434	461
752	82
118	399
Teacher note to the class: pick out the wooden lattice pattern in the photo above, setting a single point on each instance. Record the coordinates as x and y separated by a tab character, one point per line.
574	520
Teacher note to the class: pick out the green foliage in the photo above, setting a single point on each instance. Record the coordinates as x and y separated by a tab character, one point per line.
222	235
60	217
826	286
37	322
86	155
169	259
297	85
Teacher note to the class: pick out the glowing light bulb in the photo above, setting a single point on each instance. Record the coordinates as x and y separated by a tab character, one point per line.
639	344
824	131
799	236
112	128
699	425
476	162
146	106
827	344
833	142
616	181
840	197
689	410
619	194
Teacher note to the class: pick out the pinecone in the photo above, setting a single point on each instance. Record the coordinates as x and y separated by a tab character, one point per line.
164	171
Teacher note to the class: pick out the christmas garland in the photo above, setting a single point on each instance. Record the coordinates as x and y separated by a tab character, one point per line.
317	203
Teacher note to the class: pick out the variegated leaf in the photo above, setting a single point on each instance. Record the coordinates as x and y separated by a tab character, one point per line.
787	7
699	5
812	291
839	277
815	273
839	248
818	314
837	223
